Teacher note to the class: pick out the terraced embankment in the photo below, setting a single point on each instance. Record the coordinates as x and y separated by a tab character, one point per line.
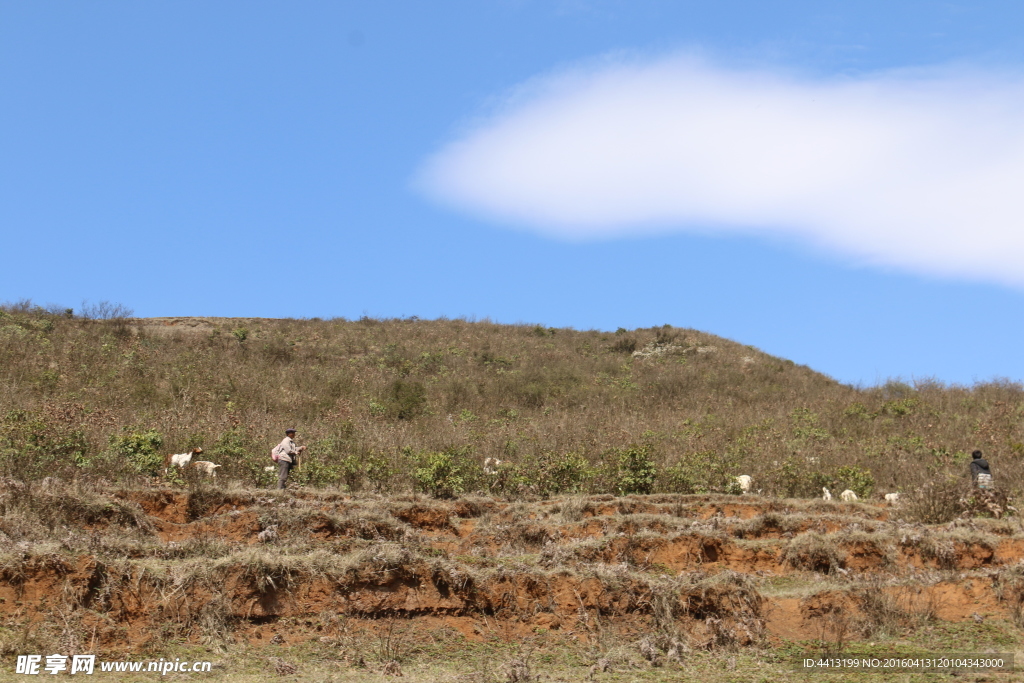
129	569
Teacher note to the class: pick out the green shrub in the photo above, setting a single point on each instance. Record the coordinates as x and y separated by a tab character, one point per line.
857	479
733	488
316	470
510	479
358	471
636	471
702	472
139	450
553	473
233	450
796	479
32	447
900	407
406	399
444	474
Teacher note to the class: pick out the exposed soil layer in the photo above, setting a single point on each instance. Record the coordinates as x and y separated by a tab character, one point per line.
258	566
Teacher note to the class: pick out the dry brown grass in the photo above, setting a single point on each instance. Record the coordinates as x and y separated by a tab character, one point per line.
372	397
816	552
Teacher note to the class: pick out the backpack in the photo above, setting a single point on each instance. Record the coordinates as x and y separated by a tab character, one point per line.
275	453
984	481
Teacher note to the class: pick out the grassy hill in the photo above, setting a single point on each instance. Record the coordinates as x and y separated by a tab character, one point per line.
356	576
392	405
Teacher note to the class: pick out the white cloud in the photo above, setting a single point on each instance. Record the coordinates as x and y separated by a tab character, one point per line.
922	170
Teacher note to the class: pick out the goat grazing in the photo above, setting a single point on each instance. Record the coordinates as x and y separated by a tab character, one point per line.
744	481
892	498
848	496
180	460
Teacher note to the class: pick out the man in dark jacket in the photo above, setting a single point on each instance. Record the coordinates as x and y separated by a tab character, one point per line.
981	475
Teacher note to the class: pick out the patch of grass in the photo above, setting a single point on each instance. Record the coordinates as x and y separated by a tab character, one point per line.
968	636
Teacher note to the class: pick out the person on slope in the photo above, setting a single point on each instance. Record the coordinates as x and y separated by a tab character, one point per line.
981	475
287	457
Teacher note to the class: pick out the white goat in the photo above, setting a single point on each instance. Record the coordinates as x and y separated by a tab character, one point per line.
828	494
206	467
892	498
744	481
848	496
180	460
491	465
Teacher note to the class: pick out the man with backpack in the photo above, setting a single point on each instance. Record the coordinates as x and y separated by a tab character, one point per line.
286	454
981	475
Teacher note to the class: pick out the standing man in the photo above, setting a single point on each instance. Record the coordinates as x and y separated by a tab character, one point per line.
287	457
981	475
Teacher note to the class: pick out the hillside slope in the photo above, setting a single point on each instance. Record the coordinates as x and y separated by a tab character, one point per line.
388	405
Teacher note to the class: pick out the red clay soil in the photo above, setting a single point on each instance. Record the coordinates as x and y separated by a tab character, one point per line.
467	565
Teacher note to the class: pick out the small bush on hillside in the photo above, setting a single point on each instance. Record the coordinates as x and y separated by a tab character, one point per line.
32	447
360	471
277	349
797	479
511	479
800	479
856	479
553	473
702	472
624	345
316	470
444	474
105	310
406	399
139	450
636	471
937	502
234	452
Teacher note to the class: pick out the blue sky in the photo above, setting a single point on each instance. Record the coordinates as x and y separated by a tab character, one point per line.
320	159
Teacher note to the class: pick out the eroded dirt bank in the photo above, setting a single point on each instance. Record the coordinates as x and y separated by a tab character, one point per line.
125	570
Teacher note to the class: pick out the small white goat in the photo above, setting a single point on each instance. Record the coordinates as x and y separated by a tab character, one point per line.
206	467
744	481
848	496
491	465
892	498
828	494
180	460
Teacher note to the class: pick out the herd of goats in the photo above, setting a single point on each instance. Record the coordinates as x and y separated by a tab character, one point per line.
745	481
